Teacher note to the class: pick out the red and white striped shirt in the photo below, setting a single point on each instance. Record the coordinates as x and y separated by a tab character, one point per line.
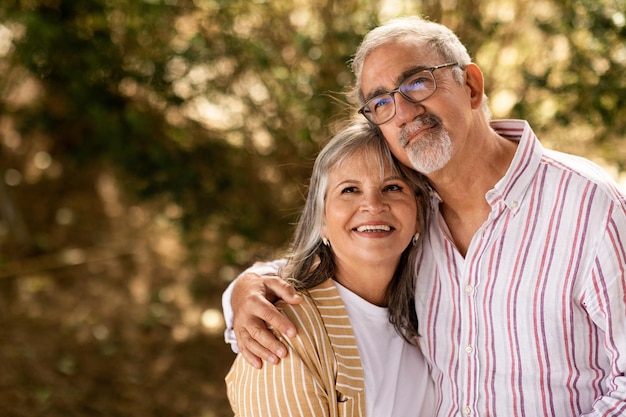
532	321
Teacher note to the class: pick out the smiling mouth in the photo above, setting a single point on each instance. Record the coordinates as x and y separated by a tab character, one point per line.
374	228
411	132
414	133
413	136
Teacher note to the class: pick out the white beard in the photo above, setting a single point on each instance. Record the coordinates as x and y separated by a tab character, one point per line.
431	152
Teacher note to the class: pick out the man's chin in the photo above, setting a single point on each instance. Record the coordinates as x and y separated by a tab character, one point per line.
426	167
431	154
427	171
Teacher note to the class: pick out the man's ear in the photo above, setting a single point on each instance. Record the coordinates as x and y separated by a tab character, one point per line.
475	82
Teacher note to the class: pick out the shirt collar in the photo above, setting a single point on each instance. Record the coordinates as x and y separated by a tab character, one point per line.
512	187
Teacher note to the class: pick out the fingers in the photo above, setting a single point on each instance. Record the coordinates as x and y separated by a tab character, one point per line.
283	290
253	346
273	317
253	337
253	313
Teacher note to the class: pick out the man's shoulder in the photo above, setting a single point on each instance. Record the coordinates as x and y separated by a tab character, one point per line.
584	171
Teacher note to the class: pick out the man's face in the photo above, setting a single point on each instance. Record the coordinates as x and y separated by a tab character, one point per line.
420	133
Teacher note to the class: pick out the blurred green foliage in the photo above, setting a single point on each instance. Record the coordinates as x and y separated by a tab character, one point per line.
585	81
121	84
219	106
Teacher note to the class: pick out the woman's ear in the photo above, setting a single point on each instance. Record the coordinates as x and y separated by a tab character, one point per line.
476	83
323	234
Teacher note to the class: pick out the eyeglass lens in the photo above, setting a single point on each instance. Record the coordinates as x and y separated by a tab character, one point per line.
415	88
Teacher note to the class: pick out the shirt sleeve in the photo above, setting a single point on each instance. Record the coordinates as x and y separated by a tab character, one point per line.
259	268
294	387
286	389
605	301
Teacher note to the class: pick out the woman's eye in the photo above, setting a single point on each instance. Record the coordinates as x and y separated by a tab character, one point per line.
393	187
348	190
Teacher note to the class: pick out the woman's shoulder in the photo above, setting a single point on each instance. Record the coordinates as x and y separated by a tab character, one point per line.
322	320
322	301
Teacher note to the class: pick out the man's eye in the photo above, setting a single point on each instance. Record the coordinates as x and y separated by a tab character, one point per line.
381	102
414	84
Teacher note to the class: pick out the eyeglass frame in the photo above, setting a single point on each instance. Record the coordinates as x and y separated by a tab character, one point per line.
364	109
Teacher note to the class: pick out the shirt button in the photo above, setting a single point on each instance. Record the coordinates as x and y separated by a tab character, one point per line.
514	204
467	411
469	289
469	350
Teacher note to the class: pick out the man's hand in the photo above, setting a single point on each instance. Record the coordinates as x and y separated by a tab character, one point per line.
253	311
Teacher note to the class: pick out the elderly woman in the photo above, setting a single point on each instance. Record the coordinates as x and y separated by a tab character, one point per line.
356	352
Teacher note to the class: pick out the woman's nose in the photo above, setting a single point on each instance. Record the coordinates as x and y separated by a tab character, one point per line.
374	202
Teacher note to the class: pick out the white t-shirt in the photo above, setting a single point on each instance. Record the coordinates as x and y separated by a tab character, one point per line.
397	378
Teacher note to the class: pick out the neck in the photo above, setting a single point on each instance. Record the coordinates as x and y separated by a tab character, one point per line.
368	281
463	183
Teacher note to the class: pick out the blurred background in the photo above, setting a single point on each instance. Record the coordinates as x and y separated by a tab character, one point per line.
152	149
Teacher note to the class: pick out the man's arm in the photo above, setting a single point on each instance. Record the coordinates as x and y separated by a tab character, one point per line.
605	302
248	311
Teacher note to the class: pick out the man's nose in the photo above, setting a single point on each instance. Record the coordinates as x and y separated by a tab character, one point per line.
406	110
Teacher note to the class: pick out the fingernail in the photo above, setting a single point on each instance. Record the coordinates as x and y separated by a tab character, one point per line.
281	352
290	332
272	359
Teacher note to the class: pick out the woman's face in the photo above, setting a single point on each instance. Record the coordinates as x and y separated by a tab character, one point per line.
369	218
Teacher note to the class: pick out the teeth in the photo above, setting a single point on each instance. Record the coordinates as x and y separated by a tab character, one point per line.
373	228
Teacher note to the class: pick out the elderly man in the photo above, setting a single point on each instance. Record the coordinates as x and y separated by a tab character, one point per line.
520	288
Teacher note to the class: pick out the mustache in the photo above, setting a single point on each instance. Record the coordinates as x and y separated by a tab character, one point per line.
418	123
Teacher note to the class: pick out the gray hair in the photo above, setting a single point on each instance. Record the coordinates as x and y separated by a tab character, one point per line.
445	43
310	262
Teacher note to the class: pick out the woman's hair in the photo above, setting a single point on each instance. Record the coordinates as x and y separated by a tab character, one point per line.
423	32
310	262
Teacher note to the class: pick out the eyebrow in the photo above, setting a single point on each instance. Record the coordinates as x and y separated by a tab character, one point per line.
403	75
355	181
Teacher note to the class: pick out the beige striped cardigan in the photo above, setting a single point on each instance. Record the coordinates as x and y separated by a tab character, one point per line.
322	374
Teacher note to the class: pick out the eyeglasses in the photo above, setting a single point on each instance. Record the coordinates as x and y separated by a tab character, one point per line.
415	88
